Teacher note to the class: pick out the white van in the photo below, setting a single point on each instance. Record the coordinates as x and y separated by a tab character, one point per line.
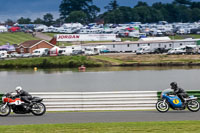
68	50
143	50
65	51
187	49
40	52
92	51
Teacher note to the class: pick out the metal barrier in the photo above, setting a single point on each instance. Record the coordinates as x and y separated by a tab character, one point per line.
90	101
85	101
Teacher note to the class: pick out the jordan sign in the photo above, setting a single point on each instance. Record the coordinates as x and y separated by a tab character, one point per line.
85	37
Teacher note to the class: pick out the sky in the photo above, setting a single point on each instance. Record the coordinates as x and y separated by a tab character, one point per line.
14	9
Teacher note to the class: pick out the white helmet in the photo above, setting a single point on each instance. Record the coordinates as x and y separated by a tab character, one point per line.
18	89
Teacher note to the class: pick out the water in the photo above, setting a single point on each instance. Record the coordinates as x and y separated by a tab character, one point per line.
100	79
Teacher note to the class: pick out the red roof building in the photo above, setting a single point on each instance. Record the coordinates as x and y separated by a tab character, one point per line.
29	46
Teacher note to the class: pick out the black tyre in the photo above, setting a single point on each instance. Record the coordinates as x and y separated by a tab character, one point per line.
193	105
4	111
162	106
38	109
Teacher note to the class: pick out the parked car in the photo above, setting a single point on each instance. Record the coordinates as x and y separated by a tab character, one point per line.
26	55
176	51
159	51
3	54
77	52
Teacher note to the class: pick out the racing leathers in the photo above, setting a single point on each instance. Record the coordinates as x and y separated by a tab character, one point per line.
25	96
180	93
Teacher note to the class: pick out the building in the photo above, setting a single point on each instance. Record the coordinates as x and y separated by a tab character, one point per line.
133	46
29	46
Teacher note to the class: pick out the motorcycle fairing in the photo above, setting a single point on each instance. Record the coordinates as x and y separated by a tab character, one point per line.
174	101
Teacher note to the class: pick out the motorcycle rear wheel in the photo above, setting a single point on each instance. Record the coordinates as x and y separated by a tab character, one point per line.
38	109
4	111
193	105
162	106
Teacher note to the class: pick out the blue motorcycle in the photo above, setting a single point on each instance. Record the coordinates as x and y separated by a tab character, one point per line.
169	100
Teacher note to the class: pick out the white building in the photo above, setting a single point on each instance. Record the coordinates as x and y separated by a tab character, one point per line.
133	46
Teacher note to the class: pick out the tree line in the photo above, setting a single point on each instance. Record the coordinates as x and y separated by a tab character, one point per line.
83	11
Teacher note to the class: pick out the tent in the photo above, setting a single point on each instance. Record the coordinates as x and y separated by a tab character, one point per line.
14	29
7	47
3	29
72	25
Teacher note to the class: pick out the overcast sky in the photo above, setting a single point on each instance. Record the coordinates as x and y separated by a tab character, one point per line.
14	9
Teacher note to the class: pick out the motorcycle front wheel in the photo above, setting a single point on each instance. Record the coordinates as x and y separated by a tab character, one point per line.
38	109
162	106
4	110
193	106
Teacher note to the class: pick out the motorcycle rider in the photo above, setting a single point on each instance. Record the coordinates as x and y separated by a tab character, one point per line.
25	96
179	91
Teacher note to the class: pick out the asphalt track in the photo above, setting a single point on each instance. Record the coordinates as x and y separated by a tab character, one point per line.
91	117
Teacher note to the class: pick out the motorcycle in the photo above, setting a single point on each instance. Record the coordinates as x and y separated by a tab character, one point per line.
10	102
169	100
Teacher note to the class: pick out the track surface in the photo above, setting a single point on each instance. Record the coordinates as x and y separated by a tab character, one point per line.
88	117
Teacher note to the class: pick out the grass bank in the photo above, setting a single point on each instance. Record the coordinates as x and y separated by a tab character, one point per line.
102	60
147	60
49	62
15	38
125	127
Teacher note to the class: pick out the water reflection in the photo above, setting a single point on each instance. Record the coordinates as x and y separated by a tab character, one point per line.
99	69
100	79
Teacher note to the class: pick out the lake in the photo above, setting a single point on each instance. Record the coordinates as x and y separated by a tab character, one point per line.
100	79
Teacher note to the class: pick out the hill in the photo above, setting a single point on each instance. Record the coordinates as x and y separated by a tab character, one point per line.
15	38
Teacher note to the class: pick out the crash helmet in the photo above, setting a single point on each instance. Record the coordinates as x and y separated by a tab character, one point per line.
18	89
173	85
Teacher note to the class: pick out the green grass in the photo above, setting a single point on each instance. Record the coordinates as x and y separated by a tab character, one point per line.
49	62
125	127
107	59
161	60
15	38
129	39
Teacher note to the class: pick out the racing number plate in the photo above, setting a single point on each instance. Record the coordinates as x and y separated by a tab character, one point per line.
176	101
18	102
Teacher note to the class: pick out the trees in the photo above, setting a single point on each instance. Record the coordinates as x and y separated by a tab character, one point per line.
77	16
113	5
183	2
24	20
83	11
48	19
9	22
38	21
68	6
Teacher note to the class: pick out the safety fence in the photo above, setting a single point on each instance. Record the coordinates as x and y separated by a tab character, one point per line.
90	101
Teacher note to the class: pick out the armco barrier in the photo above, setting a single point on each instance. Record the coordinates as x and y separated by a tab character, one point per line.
83	101
86	101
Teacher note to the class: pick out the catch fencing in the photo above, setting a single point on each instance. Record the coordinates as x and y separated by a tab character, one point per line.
91	101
